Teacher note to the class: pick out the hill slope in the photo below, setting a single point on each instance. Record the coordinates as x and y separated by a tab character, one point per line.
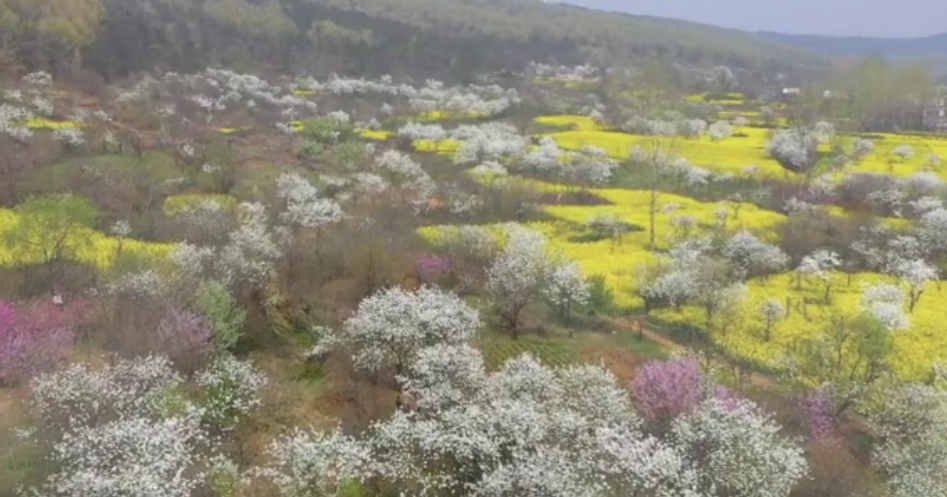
420	37
929	46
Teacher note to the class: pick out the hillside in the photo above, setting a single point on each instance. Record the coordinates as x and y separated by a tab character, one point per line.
928	46
448	38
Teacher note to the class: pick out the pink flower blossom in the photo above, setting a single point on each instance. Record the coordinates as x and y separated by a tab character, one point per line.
664	390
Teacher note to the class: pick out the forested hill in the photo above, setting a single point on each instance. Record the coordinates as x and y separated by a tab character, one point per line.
928	46
447	38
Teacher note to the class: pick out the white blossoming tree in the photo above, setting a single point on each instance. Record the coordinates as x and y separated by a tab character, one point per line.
719	130
910	422
389	327
444	375
754	256
124	430
885	303
566	288
658	163
795	149
740	450
518	273
916	274
903	152
589	167
530	431
249	257
771	311
820	265
861	147
303	205
527	429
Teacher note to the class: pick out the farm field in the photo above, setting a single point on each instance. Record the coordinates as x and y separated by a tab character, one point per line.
736	153
917	349
563	281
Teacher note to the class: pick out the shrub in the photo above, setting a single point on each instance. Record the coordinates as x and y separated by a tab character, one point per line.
222	313
601	298
327	130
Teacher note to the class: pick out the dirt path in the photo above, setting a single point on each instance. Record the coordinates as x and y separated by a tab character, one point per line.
757	380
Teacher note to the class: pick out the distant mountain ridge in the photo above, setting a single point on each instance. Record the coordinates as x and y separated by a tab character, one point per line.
934	46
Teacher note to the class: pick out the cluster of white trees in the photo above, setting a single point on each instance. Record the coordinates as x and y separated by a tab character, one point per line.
245	256
433	96
132	428
678	126
526	269
524	429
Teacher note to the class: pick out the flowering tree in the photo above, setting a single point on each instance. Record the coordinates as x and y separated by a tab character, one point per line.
31	341
566	287
670	279
522	423
719	130
607	226
389	327
431	267
862	147
304	207
740	449
885	303
488	141
771	311
818	410
444	375
754	256
230	390
664	390
527	429
205	221
185	337
911	422
795	149
658	163
718	288
933	227
127	429
932	160
518	273
309	462
82	413
903	152
820	265
411	132
692	128
250	255
916	274
589	167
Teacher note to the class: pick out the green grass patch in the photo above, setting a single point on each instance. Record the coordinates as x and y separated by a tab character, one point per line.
553	351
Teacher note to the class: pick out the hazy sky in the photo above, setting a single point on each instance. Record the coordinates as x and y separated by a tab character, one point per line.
887	18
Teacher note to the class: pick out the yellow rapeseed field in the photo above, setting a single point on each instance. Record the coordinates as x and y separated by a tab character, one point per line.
733	155
916	349
98	250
